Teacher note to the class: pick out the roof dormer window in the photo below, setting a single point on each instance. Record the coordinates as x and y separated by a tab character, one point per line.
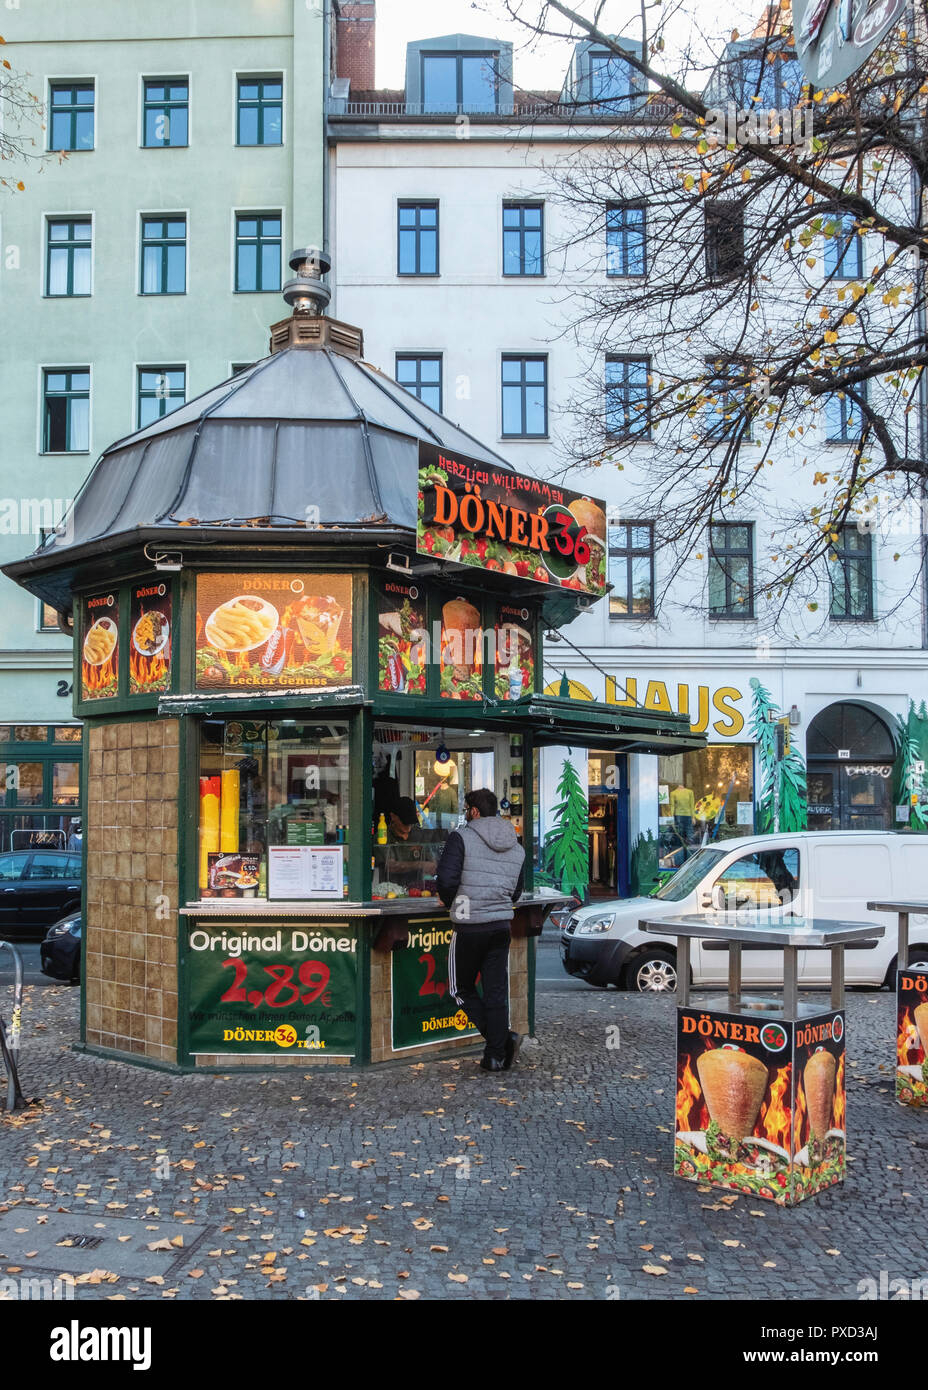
465	82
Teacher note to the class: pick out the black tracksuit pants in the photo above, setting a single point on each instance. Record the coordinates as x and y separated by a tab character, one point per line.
483	950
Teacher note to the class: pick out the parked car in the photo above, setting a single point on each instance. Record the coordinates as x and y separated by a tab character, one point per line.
829	874
37	887
60	952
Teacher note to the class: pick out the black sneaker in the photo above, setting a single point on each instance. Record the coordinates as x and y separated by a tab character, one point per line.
513	1044
492	1064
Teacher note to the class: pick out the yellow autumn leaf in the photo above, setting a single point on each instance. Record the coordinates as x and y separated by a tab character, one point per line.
830	335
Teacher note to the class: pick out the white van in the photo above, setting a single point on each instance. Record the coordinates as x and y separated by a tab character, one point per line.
830	874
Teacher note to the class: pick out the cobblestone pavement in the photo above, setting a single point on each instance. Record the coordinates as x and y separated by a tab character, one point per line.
436	1180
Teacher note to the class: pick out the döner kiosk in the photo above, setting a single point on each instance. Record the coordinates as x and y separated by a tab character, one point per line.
293	658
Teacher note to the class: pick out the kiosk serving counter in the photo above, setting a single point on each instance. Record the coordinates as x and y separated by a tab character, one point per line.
308	616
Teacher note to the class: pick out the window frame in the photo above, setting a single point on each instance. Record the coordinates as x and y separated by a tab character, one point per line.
520	206
601	58
141	395
625	556
70	219
629	433
459	55
259	78
405	204
59	84
165	241
68	395
725	382
259	240
414	388
842	558
522	385
715	220
844	240
164	106
847	409
629	205
732	612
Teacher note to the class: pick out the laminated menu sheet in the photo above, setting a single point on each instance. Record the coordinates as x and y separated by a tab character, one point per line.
305	871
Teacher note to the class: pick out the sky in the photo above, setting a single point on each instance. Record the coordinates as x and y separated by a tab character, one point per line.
543	64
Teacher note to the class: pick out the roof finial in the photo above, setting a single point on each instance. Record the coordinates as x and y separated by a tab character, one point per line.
306	294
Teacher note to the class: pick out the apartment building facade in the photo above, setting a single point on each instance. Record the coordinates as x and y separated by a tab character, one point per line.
182	160
460	262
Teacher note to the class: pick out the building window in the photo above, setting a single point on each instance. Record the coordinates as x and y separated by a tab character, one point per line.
724	229
628	406
764	81
70	125
631	569
165	112
460	82
523	239
731	570
164	255
67	256
160	390
844	249
257	252
238	367
851	561
844	418
260	110
66	426
421	377
725	390
719	782
417	239
610	79
48	618
525	397
625	239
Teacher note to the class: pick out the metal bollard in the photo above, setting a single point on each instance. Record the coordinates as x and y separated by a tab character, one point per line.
9	1044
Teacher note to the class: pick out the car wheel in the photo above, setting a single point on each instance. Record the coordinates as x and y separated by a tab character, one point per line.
653	972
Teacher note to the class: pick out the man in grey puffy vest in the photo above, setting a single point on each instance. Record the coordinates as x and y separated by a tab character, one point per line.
480	875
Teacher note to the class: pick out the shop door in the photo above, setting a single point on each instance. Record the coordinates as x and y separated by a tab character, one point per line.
850	754
608	825
850	796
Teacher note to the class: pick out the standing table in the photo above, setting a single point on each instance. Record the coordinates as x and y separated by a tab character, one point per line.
911	1008
760	1099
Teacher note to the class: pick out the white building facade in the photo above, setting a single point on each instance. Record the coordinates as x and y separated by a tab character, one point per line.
450	254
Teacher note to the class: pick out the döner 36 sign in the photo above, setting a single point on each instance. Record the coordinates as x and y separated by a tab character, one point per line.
492	518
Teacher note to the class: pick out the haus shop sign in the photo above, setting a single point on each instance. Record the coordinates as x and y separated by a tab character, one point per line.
715	708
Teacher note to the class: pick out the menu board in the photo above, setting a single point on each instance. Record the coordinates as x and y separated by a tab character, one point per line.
273	631
515	652
150	639
402	637
269	993
461	650
305	871
100	647
495	519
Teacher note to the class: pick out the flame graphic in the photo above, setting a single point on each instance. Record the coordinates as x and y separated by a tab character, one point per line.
907	1041
99	678
774	1114
800	1118
692	1112
147	672
840	1096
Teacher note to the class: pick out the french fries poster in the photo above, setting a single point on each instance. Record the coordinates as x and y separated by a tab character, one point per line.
100	647
280	631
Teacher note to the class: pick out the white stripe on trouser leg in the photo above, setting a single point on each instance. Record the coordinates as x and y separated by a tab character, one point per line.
452	971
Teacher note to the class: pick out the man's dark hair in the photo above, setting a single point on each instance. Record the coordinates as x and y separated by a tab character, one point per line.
405	808
482	800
